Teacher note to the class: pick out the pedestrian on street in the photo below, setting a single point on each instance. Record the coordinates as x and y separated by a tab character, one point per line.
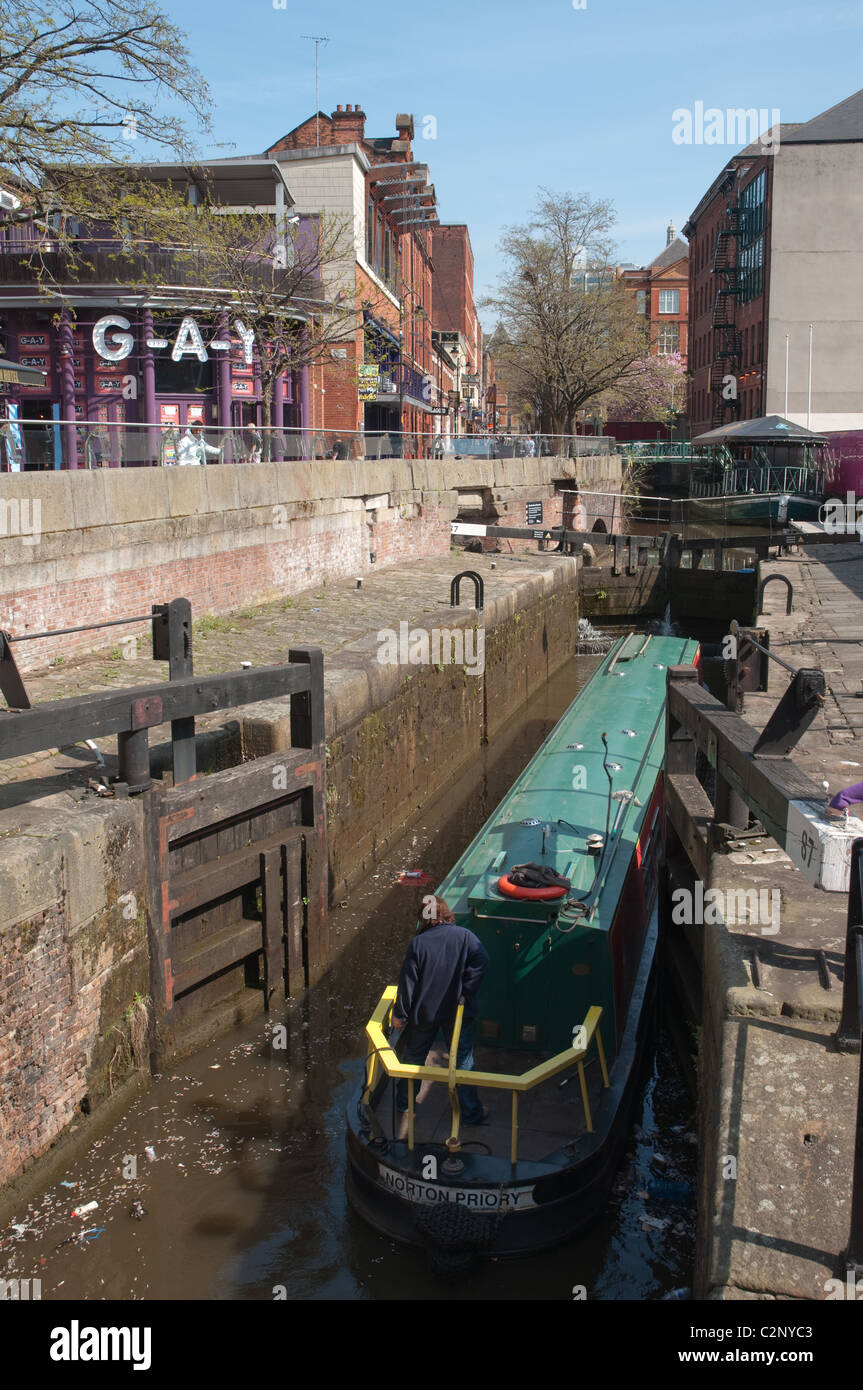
193	448
445	963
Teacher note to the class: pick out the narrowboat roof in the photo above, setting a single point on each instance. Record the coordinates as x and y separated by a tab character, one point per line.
573	788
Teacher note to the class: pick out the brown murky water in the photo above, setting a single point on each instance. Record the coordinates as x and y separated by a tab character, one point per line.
237	1154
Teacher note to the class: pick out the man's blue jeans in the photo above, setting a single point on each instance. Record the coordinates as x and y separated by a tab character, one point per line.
414	1046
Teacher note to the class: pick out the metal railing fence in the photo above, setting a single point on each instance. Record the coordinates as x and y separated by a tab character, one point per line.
383	1060
46	445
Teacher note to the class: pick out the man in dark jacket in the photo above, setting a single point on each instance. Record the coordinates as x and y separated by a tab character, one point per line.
444	963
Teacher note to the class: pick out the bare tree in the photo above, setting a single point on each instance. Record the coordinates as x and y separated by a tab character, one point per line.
571	331
87	82
275	281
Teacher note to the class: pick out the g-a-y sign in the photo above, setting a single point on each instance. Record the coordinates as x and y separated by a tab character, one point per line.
188	342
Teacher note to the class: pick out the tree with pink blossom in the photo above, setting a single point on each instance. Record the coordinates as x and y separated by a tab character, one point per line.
651	389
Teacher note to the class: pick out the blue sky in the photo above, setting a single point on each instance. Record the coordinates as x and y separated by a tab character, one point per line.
529	94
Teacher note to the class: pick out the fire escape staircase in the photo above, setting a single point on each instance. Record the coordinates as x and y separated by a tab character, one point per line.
726	335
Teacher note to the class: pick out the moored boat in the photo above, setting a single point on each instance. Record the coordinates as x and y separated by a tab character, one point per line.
564	1009
753	508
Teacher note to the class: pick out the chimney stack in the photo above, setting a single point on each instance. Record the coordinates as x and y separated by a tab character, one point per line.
349	125
405	128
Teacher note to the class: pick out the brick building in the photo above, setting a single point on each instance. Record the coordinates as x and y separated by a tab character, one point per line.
455	320
133	347
661	292
774	248
730	234
502	415
386	379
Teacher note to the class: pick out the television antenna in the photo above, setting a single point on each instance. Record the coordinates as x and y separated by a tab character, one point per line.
317	40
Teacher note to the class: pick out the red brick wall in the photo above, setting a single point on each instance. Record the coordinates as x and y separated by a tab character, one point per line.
48	1022
751	369
344	127
453	308
222	582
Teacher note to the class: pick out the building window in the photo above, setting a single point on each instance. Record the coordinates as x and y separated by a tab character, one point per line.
641	301
751	209
669	301
669	339
750	279
751	252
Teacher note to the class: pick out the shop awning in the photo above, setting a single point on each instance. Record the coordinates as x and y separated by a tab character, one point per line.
379	327
13	373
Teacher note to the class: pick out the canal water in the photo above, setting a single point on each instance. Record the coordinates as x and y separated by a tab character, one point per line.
237	1154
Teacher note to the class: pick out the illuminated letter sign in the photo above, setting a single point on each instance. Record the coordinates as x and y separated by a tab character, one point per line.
189	341
122	342
248	338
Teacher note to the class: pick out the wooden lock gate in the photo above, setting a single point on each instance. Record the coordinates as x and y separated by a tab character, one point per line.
236	876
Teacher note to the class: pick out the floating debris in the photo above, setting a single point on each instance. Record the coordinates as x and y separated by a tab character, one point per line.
82	1210
138	1211
673	1192
654	1223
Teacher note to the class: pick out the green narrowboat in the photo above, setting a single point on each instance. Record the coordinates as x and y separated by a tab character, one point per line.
564	1009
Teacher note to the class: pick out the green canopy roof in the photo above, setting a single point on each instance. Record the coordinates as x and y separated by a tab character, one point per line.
769	429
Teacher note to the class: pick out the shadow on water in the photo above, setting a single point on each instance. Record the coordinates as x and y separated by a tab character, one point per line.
238	1153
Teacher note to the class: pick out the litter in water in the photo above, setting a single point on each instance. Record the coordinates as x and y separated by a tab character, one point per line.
653	1223
414	878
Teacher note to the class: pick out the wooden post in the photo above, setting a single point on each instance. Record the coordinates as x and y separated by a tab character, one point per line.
307	731
729	806
273	924
159	925
681	749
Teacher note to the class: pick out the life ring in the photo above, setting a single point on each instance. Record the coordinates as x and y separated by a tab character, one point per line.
514	890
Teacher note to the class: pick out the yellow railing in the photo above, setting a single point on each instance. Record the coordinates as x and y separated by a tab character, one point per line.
384	1059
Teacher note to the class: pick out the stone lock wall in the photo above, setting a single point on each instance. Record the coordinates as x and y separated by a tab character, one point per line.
73	962
84	547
